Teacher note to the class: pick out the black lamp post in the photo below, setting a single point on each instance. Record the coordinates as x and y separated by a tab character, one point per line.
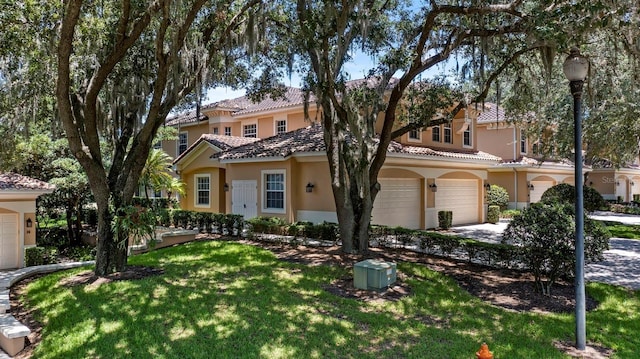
575	69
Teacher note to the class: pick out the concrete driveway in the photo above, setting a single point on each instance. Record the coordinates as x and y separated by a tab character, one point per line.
621	264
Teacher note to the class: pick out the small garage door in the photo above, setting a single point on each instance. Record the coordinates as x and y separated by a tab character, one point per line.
398	203
8	241
621	189
539	187
460	197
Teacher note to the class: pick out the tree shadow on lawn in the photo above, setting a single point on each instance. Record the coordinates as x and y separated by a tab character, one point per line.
222	298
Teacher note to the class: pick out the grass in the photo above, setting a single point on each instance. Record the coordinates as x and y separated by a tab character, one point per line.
229	300
620	230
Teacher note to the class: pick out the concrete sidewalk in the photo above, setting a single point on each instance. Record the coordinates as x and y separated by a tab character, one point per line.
621	264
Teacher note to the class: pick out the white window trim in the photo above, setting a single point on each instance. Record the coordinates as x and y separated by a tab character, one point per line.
470	130
249	123
416	140
230	130
196	190
186	141
445	127
275	126
263	193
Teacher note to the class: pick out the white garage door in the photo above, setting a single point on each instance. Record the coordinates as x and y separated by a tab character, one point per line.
539	187
8	241
621	189
460	197
398	203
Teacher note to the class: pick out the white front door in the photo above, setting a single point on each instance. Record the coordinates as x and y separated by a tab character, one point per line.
244	198
621	189
459	196
9	241
398	203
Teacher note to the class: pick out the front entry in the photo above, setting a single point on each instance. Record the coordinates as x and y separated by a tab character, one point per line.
244	198
9	241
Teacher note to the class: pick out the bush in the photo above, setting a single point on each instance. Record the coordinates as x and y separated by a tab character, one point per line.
444	219
509	213
493	214
565	193
35	256
498	196
182	218
545	233
163	217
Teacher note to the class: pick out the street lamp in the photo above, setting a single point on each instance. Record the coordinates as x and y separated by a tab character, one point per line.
575	68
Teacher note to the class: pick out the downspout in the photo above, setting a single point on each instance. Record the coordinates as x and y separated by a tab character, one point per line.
515	185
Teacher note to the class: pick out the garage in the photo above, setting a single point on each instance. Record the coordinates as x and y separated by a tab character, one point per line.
539	187
9	241
459	196
398	203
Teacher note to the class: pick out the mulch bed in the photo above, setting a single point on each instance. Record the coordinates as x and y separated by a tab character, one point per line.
508	289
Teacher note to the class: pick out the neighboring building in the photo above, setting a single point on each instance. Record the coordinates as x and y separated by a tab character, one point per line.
523	171
18	196
616	184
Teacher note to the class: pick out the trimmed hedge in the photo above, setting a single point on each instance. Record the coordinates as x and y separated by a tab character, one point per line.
35	256
445	219
493	214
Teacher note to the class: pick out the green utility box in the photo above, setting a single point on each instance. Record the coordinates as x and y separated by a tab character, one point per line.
374	274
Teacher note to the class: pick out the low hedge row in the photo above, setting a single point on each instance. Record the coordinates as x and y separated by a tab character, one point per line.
230	224
626	209
491	254
35	256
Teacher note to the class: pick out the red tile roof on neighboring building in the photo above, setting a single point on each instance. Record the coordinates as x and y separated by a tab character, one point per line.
186	118
532	162
311	139
490	112
16	182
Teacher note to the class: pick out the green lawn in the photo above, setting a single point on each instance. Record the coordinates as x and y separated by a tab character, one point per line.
229	300
620	230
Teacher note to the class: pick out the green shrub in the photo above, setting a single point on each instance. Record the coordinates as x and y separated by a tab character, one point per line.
445	219
565	193
545	233
498	196
91	216
493	214
35	256
80	253
182	218
163	217
509	213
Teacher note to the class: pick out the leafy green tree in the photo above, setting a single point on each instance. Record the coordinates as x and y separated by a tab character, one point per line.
156	174
566	194
545	233
121	68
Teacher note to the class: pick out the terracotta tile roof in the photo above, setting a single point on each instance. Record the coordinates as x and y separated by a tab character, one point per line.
16	182
531	162
491	113
311	139
292	97
308	139
222	142
186	118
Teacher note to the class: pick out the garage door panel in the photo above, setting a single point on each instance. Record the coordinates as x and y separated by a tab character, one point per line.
8	241
539	187
398	203
460	197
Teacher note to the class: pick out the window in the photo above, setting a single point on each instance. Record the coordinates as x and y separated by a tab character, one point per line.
202	190
414	135
523	142
435	133
250	130
466	136
216	131
157	145
227	131
281	126
447	133
182	142
274	191
157	194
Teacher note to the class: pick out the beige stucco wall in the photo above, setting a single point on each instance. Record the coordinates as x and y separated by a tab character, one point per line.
193	134
321	197
217	198
497	142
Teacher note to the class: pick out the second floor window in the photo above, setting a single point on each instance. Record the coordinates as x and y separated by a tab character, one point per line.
216	131
227	131
281	126
182	142
447	133
250	130
523	142
435	133
466	136
414	135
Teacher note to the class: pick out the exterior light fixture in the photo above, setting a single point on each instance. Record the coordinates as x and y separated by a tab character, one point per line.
632	183
29	222
530	186
576	68
487	186
309	187
226	187
433	187
617	183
